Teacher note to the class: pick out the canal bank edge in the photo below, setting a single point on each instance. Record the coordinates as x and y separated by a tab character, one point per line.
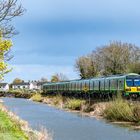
97	109
26	132
117	111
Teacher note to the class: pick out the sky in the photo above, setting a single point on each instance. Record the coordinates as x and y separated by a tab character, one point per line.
54	33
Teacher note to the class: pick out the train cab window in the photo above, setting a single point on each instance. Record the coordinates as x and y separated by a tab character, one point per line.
136	82
129	82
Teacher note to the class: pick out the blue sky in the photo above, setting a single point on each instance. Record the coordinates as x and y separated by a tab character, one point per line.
53	33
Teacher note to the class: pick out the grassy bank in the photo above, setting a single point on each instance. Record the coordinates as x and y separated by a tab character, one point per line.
18	93
123	110
70	103
9	130
13	128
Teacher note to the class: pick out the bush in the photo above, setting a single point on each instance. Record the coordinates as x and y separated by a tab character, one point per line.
74	104
57	100
136	112
120	110
37	97
123	110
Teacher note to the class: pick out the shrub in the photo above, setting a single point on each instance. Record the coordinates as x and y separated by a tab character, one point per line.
57	100
119	110
136	112
37	97
74	104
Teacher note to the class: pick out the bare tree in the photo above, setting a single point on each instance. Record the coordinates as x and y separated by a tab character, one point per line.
86	67
9	9
115	58
43	79
59	77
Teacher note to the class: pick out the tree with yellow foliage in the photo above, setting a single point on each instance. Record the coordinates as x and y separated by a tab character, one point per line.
5	46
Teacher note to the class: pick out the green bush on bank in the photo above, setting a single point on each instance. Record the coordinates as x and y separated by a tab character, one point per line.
74	104
122	110
37	97
57	100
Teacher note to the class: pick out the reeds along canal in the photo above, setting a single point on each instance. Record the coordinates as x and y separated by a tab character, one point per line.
67	126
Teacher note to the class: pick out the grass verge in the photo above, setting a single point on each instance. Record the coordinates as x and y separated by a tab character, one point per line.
74	104
122	110
10	130
13	128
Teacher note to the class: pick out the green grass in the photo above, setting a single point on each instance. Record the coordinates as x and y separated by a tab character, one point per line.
74	104
122	110
37	97
9	130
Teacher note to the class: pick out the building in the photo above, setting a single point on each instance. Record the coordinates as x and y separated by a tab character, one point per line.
4	86
24	85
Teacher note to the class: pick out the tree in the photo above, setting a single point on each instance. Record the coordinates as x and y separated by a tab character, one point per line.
9	9
135	67
115	58
59	77
18	81
118	58
86	67
43	79
5	45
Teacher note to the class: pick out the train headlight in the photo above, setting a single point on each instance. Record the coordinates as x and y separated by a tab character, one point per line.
138	89
128	89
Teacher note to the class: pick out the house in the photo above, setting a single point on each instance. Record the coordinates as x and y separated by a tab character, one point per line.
4	86
24	85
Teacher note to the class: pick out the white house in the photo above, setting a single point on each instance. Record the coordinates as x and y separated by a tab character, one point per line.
4	86
24	85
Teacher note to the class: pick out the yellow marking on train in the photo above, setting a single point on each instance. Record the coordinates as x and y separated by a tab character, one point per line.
133	89
85	88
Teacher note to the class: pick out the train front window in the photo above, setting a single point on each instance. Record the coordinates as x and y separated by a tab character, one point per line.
136	82
129	82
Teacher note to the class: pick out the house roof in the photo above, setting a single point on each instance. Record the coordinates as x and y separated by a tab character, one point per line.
3	84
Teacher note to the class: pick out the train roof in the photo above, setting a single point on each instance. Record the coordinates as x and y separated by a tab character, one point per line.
95	78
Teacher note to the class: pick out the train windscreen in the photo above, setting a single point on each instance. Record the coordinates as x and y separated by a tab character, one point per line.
137	82
133	80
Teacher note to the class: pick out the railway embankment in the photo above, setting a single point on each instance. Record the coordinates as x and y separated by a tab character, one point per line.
13	128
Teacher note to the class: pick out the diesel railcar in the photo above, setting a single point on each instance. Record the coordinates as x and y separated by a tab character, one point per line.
128	84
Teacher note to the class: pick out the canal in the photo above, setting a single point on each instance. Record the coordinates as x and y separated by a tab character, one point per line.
65	125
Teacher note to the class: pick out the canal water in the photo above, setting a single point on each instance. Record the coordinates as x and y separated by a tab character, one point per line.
67	126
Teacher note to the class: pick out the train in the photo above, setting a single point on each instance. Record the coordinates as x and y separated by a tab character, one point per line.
125	84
